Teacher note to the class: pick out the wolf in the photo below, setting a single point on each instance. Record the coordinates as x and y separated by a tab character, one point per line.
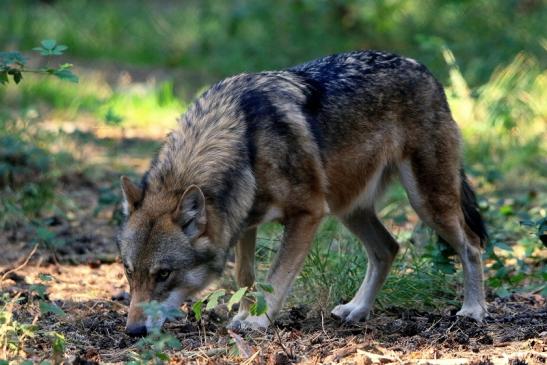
325	137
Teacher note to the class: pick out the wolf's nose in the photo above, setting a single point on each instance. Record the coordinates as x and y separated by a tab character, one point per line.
136	330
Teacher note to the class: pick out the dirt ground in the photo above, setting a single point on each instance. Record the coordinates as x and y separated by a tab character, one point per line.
93	297
90	287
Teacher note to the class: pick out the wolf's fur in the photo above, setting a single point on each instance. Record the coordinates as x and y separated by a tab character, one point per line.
323	137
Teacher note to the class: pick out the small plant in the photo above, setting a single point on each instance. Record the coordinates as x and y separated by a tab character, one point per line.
14	64
152	348
12	333
58	345
541	228
44	304
257	308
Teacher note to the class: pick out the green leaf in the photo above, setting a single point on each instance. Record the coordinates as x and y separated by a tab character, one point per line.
26	362
4	362
259	307
517	278
65	66
502	292
196	308
503	246
527	223
162	356
42	51
506	210
48	43
268	288
236	297
44	234
213	298
65	74
58	342
46	307
45	277
171	313
112	118
173	343
40	289
10	58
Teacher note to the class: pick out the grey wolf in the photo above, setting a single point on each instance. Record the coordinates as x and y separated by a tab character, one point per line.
324	137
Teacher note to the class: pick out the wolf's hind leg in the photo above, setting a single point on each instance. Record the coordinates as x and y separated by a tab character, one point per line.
441	200
381	250
245	269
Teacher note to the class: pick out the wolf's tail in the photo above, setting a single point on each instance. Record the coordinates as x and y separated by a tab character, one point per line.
470	209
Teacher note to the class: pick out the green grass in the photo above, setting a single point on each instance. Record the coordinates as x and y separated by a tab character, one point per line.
337	265
135	105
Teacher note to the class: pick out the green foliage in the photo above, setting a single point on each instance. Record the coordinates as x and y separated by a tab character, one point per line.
336	267
212	301
257	308
58	346
29	173
236	297
515	251
540	225
14	64
232	37
12	333
153	347
111	118
50	47
44	304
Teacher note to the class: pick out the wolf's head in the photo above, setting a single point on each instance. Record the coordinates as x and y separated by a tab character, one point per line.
167	250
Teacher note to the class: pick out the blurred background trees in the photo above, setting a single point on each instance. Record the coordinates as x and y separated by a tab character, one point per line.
220	38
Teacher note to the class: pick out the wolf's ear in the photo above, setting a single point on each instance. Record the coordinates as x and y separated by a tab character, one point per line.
132	194
190	213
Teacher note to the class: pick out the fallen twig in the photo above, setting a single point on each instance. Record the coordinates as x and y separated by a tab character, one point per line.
274	327
22	265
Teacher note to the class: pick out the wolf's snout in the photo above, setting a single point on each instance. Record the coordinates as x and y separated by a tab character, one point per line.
136	330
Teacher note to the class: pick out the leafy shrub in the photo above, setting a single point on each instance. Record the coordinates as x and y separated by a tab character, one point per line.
14	64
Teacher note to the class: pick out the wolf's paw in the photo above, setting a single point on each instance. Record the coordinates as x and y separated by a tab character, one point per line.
477	312
235	323
251	323
350	312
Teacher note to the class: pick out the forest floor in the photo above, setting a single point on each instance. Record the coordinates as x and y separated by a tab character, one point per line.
89	285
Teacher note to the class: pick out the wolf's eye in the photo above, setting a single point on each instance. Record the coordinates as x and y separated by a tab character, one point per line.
163	275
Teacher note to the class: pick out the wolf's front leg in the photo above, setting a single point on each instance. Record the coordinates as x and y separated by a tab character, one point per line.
245	270
297	240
